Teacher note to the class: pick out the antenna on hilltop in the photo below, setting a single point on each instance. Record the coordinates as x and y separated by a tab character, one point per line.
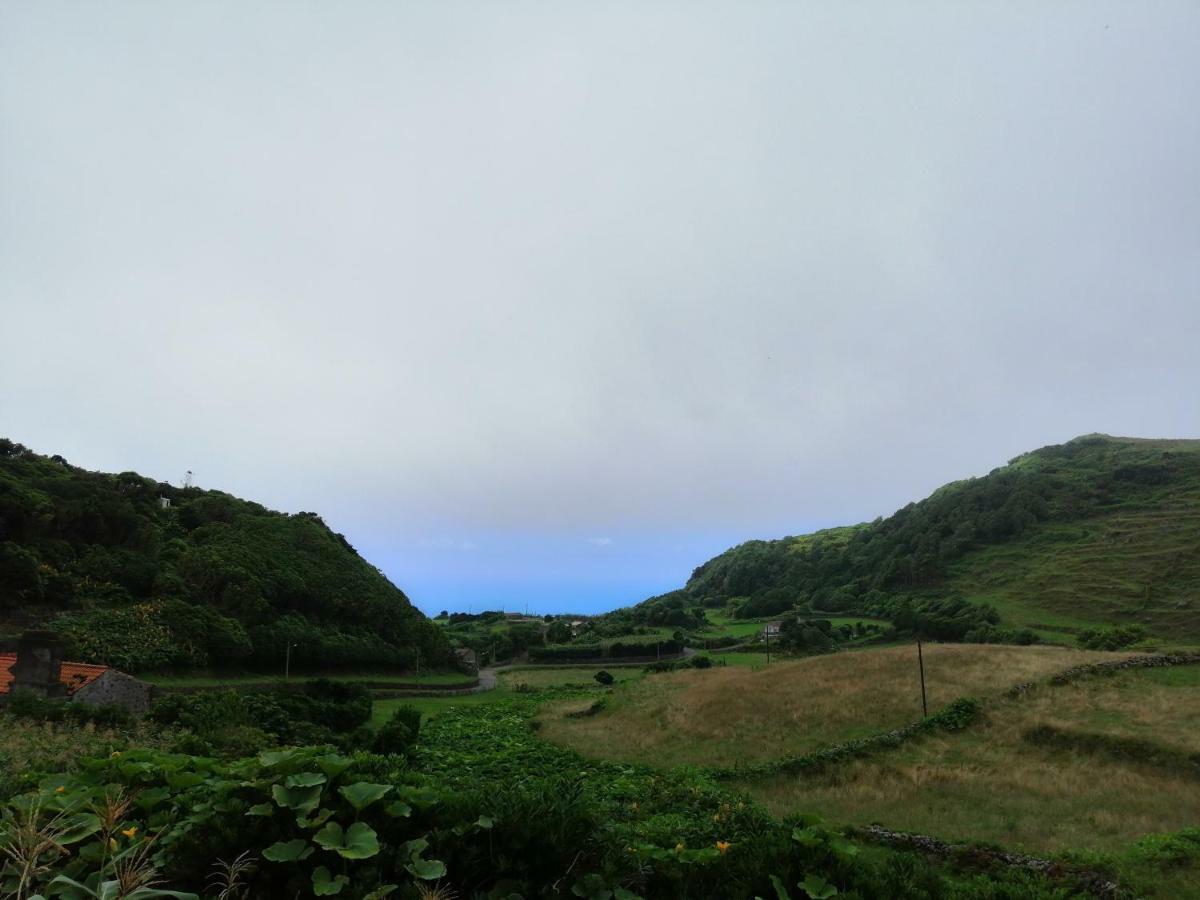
187	479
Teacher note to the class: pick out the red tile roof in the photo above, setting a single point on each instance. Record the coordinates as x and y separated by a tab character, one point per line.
73	675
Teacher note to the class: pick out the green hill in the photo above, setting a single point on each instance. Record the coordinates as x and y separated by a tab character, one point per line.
1097	531
144	575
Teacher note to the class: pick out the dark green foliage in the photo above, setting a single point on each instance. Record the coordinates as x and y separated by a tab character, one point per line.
568	653
909	555
808	636
232	722
1116	638
948	619
604	678
209	581
28	705
493	636
677	609
699	661
617	650
486	808
399	734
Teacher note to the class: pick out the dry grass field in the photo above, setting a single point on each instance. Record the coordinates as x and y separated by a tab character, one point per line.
992	784
723	716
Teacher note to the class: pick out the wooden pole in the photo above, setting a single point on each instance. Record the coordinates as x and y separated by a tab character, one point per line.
921	663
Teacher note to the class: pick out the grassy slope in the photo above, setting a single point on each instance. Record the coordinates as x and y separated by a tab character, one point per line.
1136	565
1112	546
988	784
1136	562
722	716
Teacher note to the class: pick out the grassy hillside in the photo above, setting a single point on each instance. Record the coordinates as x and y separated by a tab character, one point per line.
1099	530
1000	783
1100	768
792	708
208	581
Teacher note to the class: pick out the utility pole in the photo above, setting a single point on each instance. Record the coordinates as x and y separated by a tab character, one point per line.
287	660
921	664
767	634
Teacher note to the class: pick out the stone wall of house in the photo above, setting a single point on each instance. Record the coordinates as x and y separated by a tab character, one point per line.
115	688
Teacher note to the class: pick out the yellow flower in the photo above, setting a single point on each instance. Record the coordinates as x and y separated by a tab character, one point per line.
116	754
130	832
679	847
631	849
722	847
716	817
60	790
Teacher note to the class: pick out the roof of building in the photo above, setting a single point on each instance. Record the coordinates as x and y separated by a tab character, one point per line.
73	675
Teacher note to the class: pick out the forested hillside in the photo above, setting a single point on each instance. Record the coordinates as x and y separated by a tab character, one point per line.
208	580
1099	530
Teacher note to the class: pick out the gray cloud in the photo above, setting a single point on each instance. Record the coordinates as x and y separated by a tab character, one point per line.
453	268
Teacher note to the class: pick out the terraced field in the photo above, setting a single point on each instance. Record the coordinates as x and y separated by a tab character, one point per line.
1094	764
725	716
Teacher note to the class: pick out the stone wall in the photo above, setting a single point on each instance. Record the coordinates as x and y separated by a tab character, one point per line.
115	688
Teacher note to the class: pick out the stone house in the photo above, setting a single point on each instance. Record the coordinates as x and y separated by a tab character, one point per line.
38	666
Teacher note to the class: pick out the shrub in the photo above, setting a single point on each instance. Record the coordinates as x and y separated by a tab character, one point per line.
1116	638
28	705
604	678
399	734
234	722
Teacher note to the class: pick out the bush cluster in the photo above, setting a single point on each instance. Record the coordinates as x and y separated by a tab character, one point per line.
1117	637
243	721
28	705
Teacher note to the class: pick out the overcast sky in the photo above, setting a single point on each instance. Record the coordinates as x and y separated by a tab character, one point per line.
547	303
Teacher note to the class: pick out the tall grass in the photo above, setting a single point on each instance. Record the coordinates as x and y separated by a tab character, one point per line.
723	716
993	784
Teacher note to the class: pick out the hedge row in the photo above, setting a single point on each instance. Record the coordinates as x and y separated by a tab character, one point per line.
1133	662
579	653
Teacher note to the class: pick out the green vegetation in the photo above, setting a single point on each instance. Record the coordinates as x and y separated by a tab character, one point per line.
466	793
1096	531
696	777
729	716
242	679
493	635
514	822
318	712
208	581
1092	765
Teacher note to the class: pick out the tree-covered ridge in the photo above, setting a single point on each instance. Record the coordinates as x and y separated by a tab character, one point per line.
208	580
912	558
